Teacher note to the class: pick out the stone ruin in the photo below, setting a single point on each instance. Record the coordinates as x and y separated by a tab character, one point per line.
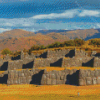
30	74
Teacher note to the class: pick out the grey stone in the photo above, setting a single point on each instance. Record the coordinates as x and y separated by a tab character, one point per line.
48	81
53	81
94	80
89	81
82	82
98	80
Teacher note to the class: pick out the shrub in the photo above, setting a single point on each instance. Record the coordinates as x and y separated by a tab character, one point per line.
6	51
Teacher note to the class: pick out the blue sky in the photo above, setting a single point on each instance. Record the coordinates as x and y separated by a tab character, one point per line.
34	15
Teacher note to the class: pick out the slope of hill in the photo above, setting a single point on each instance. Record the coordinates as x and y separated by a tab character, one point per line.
26	42
72	34
16	33
19	39
96	35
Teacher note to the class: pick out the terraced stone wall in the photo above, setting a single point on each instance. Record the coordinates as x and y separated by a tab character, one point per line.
60	77
88	77
57	53
24	76
96	62
78	61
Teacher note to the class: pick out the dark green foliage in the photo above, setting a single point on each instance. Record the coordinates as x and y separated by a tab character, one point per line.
75	42
6	51
78	42
94	42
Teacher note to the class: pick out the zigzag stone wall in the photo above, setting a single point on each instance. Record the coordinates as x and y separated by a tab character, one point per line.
60	77
42	77
77	61
24	77
57	53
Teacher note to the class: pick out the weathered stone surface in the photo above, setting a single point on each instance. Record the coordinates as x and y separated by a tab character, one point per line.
94	80
98	80
53	82
88	81
53	76
48	81
82	82
62	77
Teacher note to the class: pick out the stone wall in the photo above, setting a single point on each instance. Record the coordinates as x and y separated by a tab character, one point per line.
80	53
17	64
60	77
96	62
42	77
41	62
77	61
57	53
24	76
7	58
88	77
44	62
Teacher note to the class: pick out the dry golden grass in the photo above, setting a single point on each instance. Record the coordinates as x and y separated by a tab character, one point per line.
49	92
62	68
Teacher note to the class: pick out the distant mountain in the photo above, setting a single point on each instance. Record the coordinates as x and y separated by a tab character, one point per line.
26	42
96	35
16	33
19	39
72	34
50	31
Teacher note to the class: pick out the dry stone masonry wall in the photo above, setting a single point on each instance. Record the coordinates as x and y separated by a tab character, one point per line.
60	77
24	76
88	77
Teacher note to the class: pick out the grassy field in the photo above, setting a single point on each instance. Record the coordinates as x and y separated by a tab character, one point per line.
49	92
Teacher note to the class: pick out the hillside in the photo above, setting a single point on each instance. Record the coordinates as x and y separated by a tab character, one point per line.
18	39
72	34
16	33
27	42
69	34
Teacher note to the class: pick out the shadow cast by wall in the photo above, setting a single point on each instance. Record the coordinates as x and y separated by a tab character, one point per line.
44	55
97	55
36	78
28	65
70	54
72	79
15	58
4	66
57	63
3	80
89	63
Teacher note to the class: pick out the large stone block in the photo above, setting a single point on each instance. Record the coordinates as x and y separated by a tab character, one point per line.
96	73
82	82
98	80
89	81
53	82
48	81
94	80
62	77
53	76
92	73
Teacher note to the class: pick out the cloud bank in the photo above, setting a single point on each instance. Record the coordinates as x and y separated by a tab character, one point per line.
32	24
69	14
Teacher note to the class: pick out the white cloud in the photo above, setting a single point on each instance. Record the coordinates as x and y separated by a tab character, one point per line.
90	13
69	14
30	24
66	14
4	29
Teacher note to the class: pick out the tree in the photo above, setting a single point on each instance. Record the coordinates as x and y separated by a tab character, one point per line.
6	51
78	42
